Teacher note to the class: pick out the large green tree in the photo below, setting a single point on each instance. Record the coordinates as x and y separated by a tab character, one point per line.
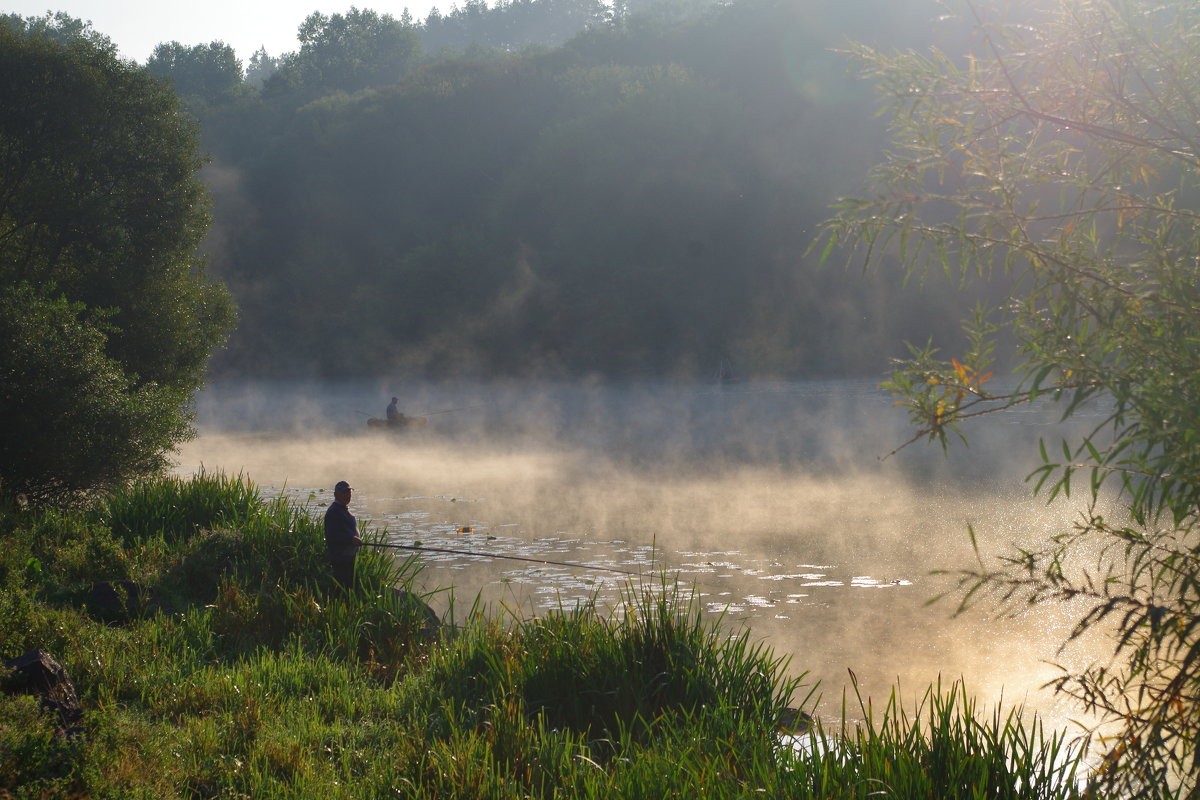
347	52
209	73
109	317
1064	150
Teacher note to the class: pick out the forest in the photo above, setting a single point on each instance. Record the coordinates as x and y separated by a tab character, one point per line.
551	188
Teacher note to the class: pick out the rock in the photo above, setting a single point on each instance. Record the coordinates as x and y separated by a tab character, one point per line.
37	673
793	720
429	616
121	601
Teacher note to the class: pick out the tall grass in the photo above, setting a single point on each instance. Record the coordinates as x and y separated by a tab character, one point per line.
174	507
269	681
942	748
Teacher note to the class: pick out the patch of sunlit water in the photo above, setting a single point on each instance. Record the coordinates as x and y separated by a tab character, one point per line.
789	523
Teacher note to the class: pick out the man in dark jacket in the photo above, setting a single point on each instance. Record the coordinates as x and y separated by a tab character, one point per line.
341	535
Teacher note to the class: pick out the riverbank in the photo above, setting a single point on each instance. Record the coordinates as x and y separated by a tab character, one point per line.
230	665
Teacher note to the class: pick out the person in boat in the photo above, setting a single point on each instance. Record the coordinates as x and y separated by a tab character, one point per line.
394	417
341	535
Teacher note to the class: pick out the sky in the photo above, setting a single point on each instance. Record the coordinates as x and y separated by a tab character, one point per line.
136	26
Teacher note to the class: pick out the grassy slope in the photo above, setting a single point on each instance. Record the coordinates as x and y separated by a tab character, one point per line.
263	680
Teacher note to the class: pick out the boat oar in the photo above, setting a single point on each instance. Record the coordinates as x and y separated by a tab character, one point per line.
422	548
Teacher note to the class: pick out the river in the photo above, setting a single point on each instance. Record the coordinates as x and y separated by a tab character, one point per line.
772	501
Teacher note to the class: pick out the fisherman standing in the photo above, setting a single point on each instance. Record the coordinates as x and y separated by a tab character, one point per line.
341	535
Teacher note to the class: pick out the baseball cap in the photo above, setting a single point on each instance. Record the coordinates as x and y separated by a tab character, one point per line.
342	486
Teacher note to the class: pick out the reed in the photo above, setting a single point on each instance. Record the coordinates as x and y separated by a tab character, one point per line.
268	681
943	748
177	508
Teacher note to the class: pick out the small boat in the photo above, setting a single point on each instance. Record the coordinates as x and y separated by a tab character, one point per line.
401	423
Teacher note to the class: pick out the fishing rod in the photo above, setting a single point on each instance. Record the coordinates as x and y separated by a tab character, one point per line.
428	413
422	548
446	411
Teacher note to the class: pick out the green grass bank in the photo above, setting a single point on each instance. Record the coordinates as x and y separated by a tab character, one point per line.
231	666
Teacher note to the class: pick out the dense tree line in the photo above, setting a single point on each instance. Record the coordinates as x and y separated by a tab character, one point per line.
635	202
509	24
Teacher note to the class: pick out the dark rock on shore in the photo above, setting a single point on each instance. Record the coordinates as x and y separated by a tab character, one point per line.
37	673
431	622
121	601
793	720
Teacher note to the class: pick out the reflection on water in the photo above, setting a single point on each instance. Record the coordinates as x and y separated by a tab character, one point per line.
769	501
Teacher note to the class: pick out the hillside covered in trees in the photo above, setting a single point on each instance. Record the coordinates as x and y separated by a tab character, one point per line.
636	201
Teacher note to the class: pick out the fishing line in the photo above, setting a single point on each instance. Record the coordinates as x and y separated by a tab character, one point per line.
710	582
422	548
695	582
446	411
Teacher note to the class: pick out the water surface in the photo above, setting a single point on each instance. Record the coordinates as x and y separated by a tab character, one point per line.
770	501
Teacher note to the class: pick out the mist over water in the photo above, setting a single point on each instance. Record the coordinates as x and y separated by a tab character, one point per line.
771	500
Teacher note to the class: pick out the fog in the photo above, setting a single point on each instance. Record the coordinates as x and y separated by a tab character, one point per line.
770	500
